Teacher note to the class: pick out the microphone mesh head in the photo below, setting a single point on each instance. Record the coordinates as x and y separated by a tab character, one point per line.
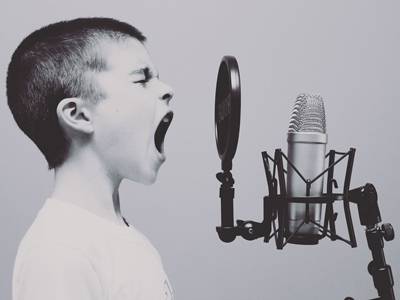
308	114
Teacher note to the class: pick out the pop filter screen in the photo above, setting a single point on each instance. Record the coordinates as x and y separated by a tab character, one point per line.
227	110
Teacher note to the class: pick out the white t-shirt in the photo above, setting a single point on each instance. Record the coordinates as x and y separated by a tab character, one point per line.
70	253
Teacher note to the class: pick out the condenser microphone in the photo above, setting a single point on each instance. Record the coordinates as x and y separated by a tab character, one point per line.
307	141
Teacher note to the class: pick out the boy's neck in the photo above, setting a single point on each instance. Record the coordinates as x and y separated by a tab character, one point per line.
85	183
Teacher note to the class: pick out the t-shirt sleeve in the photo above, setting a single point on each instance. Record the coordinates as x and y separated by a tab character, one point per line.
56	273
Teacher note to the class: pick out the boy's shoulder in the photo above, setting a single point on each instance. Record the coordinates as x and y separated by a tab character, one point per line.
71	240
73	228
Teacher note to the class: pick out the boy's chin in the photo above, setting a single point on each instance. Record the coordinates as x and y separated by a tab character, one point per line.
149	180
146	178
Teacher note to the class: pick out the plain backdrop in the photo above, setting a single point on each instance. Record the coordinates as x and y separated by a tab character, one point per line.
346	51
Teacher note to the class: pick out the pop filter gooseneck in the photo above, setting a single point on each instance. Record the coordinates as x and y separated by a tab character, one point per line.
227	110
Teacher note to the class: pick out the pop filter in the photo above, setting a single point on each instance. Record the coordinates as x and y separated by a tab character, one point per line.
227	110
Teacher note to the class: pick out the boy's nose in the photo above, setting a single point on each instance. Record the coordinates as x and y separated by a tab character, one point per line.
167	94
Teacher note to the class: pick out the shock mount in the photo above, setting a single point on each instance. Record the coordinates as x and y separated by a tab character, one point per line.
275	213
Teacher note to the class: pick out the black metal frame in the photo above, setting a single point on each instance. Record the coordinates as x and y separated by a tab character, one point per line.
276	203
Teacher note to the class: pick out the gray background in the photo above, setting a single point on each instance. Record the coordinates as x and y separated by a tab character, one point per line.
347	51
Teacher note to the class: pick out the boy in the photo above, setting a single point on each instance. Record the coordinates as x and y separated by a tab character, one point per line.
87	94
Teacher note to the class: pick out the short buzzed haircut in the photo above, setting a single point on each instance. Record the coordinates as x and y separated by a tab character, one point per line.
54	63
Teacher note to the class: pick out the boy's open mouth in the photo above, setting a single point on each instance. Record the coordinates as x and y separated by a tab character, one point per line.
161	130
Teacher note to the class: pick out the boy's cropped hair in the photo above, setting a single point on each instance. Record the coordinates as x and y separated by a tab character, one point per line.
54	63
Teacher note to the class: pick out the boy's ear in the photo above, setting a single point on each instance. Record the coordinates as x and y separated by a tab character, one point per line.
74	115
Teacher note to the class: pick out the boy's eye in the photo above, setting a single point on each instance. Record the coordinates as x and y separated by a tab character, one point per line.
147	74
143	81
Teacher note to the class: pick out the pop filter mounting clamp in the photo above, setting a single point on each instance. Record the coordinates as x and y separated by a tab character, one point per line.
227	124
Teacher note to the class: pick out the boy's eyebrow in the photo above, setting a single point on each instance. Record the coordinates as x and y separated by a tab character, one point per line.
139	71
146	71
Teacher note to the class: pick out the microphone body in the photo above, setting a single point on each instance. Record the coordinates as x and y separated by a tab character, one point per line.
306	151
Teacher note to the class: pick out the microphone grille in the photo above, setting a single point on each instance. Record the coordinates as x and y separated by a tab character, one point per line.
308	114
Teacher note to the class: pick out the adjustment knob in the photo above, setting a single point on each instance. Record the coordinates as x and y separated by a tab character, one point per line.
388	231
248	229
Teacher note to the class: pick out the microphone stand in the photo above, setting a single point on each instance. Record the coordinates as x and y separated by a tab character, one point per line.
367	201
